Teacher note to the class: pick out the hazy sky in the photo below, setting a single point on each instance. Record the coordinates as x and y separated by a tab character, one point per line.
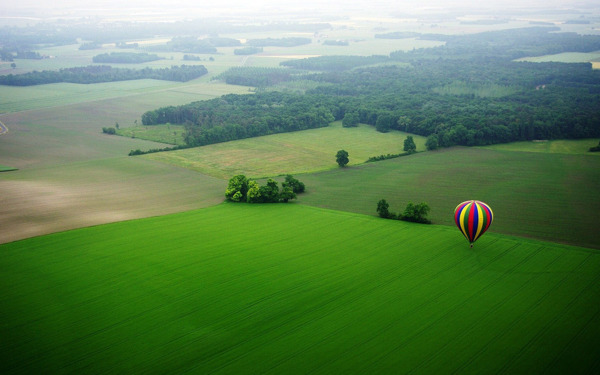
199	8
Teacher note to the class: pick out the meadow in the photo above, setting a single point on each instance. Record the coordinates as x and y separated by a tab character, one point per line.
4	168
541	195
167	133
298	152
565	57
556	146
240	288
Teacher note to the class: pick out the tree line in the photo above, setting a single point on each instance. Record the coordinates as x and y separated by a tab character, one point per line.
416	213
255	76
103	73
125	58
234	116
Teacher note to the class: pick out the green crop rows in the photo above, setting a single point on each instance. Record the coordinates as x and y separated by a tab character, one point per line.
294	289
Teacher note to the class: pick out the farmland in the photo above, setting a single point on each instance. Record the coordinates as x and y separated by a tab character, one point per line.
559	146
540	195
267	288
298	152
118	264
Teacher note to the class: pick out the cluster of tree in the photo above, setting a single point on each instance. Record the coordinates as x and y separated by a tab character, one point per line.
233	117
109	130
409	145
30	55
278	42
125	58
26	38
416	213
66	31
242	189
6	54
506	44
342	43
255	76
89	46
103	73
247	50
186	44
350	119
595	148
126	45
191	58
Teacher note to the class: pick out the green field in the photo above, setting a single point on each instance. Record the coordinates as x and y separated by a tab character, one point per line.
269	289
4	168
298	152
540	195
559	146
565	57
169	133
62	94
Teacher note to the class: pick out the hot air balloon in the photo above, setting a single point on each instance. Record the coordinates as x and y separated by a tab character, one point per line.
473	218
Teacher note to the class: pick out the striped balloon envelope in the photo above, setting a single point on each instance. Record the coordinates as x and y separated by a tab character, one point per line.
473	218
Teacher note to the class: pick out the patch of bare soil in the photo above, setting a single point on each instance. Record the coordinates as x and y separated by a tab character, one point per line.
32	208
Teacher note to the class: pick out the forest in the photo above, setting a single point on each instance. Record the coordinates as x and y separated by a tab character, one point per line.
243	116
103	73
500	100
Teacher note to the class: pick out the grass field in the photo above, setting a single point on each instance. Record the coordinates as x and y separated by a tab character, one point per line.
172	134
298	152
293	289
565	57
4	168
15	99
560	146
541	195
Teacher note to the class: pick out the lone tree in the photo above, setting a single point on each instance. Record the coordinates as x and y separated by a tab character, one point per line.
342	158
383	209
409	145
